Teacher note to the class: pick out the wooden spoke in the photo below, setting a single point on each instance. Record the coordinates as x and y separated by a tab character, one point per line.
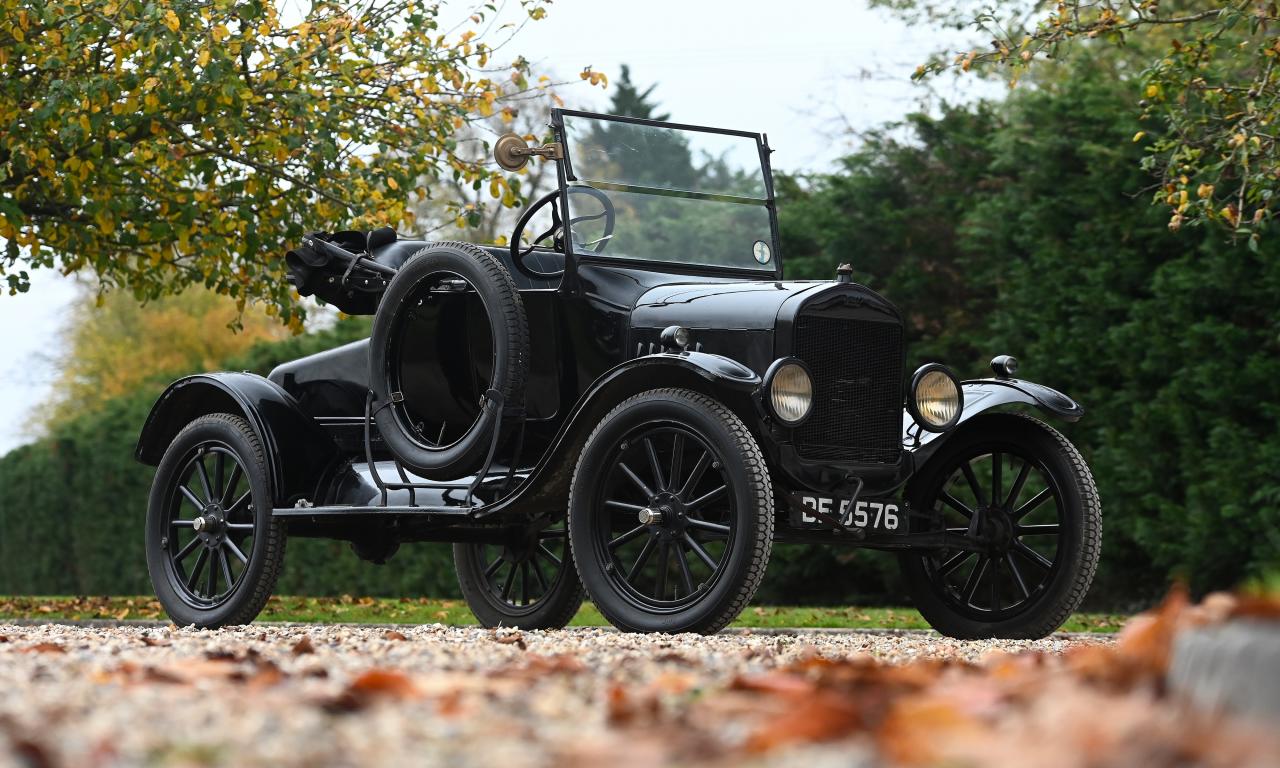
196	569
702	500
702	554
231	545
975	576
677	458
648	493
974	485
641	559
203	474
188	549
954	562
686	578
628	536
1050	529
695	475
956	504
191	497
721	531
1018	482
1033	555
1031	505
1017	576
654	466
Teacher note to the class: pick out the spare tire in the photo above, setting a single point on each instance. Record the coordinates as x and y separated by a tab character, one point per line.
433	266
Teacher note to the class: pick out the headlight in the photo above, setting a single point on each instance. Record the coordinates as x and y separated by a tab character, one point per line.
935	401
789	391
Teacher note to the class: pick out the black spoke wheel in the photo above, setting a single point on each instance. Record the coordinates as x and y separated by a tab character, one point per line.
213	550
1020	504
528	582
670	514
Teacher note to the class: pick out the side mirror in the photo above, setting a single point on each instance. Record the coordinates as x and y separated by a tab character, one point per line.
512	152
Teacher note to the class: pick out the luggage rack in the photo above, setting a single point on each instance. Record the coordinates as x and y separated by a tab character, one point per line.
469	508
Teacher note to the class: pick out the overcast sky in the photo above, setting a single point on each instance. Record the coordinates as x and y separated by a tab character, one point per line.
796	71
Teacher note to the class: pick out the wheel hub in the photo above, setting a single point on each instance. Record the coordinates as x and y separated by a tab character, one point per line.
665	515
996	529
211	525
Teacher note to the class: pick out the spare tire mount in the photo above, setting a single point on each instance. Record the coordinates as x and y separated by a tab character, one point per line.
504	395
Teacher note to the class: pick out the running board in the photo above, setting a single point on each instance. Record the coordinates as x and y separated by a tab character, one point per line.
346	509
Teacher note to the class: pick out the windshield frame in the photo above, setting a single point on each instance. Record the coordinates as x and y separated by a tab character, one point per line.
566	178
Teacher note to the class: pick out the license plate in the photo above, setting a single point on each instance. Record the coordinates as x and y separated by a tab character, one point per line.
874	515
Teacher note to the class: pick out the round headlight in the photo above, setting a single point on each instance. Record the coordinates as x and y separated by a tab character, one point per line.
935	401
790	391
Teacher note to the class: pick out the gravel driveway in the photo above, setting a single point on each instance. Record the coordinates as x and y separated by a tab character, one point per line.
349	695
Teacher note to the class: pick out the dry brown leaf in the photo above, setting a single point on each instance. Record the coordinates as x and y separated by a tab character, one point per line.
822	716
514	638
915	727
303	646
46	647
394	634
371	686
153	642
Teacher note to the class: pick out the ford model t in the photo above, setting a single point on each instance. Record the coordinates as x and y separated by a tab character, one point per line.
633	402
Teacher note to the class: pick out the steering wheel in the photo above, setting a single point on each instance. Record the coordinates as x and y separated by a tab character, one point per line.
556	232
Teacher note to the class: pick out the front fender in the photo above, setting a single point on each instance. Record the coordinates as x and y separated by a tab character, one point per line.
727	380
981	395
297	450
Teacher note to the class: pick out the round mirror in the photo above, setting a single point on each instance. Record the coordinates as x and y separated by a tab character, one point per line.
507	152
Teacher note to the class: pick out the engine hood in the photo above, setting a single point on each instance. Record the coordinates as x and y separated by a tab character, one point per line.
747	305
738	306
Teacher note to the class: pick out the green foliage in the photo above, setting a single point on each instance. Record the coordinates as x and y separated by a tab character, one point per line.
1023	230
73	505
1210	81
164	144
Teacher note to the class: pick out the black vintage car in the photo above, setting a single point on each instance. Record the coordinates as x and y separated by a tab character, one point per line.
633	402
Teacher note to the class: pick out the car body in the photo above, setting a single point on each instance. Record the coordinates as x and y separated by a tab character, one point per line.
679	288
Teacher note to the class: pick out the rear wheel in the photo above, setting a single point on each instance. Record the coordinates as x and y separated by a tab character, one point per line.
214	551
670	514
530	583
1022	499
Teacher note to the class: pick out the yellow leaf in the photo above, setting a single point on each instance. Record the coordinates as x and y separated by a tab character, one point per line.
1138	136
392	183
171	21
203	58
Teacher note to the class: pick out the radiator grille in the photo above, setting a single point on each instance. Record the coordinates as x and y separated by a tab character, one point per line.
857	372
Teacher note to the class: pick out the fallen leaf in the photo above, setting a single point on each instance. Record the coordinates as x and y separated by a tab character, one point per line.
394	634
515	639
371	686
44	648
303	646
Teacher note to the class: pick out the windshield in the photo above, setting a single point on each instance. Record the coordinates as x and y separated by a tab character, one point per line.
659	193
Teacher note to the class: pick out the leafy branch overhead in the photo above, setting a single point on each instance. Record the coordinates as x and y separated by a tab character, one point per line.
174	142
1211	92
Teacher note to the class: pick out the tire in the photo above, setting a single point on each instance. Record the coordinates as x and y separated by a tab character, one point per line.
531	584
1014	595
235	493
685	446
510	336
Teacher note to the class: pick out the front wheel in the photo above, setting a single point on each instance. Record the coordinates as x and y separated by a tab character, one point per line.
1021	500
670	514
214	551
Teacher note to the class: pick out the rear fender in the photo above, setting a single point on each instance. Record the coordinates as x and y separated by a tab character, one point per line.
727	380
982	395
298	451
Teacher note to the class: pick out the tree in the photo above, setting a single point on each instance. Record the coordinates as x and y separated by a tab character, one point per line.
113	345
1210	100
1013	228
164	143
